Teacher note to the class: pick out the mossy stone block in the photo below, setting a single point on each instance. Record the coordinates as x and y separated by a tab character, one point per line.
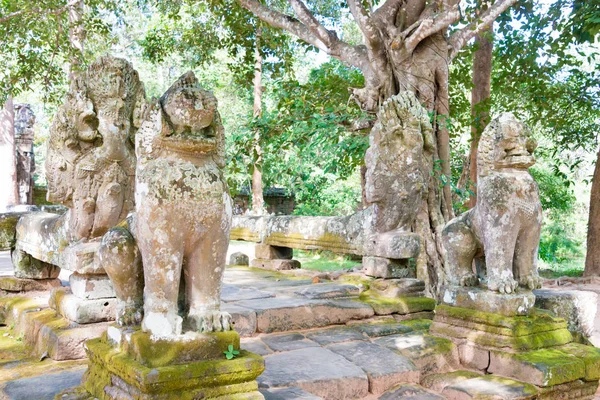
590	355
546	367
153	352
398	305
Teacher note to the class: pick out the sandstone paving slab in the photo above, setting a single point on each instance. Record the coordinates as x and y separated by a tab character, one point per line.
334	335
291	393
287	341
490	387
384	368
429	353
316	370
547	367
231	293
327	291
437	382
255	345
42	387
285	314
408	392
244	319
382	329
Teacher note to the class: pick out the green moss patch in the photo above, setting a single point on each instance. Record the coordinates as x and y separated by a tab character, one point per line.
398	305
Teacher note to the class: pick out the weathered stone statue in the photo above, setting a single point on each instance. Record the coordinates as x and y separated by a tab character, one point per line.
502	232
24	135
397	174
183	217
91	159
170	257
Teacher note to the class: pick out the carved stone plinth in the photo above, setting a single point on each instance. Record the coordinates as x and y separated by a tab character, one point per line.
118	371
82	311
536	349
481	299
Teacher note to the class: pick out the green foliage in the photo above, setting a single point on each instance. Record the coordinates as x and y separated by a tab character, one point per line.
324	261
231	352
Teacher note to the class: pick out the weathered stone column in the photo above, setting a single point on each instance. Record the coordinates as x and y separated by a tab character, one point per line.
25	161
8	176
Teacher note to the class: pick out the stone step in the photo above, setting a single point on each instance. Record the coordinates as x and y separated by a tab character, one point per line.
47	334
490	387
286	314
410	392
549	367
290	393
14	284
438	382
316	370
384	368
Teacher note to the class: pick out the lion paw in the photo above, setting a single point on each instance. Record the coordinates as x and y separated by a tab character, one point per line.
129	314
531	282
503	285
469	280
210	321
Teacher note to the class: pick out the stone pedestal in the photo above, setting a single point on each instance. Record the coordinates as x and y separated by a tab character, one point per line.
132	364
504	335
91	299
275	258
398	296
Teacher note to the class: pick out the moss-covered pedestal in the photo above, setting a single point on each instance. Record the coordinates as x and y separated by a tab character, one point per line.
536	348
132	364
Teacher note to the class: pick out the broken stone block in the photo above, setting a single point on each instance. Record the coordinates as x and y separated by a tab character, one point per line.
13	284
82	311
387	268
577	307
473	357
429	353
438	382
269	252
383	367
28	267
488	301
275	265
490	387
316	370
91	286
244	319
239	258
397	287
408	392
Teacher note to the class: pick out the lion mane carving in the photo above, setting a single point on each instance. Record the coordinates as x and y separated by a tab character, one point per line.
502	232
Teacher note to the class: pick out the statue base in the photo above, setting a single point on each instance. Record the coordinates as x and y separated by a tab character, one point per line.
536	349
132	364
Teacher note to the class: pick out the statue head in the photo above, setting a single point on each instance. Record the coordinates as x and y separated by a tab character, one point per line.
505	144
100	116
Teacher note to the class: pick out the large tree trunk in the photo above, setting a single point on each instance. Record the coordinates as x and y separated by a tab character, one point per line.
9	192
258	202
480	100
592	259
405	47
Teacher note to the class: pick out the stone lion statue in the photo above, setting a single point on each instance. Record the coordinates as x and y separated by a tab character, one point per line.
182	220
502	232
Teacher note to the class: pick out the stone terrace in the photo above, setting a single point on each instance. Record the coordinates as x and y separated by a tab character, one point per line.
318	341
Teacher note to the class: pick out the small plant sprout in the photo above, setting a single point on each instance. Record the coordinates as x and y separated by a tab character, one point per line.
231	353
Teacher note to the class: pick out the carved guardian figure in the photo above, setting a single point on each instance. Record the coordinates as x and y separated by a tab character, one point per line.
502	232
182	220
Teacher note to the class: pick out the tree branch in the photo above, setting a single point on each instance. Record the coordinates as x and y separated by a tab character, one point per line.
433	21
352	55
459	39
366	25
309	20
56	11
